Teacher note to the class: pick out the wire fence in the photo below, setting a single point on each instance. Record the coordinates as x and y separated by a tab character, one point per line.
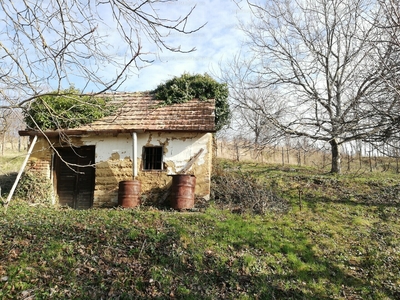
320	158
12	145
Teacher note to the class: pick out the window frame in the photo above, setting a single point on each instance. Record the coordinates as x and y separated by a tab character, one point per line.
156	158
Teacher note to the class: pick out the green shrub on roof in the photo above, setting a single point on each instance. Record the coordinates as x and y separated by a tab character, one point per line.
187	87
65	109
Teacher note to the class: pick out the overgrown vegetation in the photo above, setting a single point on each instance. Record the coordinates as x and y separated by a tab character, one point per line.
187	87
242	193
66	109
339	238
34	189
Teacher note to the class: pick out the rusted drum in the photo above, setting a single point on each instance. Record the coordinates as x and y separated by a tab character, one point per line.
182	191
129	193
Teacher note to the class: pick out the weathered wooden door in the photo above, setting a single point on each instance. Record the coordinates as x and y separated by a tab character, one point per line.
75	181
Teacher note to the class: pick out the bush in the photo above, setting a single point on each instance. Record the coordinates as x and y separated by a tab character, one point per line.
66	109
34	189
203	87
242	193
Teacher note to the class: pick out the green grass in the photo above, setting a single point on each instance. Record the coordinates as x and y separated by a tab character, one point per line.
10	164
342	242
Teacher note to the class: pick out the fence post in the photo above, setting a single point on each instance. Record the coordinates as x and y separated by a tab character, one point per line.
370	161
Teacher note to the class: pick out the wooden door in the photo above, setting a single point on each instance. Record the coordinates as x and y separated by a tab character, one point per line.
75	181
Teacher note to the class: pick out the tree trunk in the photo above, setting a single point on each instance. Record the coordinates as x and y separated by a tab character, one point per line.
336	163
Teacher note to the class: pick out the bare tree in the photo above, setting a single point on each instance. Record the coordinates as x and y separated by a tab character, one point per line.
5	124
322	66
47	46
254	125
247	120
389	135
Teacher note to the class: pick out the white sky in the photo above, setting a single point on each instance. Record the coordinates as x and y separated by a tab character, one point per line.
219	40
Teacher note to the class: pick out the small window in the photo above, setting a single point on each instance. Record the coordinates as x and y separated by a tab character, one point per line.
152	158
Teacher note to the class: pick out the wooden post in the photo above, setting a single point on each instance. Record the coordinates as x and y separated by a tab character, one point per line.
349	154
20	173
299	157
237	151
288	161
300	193
370	161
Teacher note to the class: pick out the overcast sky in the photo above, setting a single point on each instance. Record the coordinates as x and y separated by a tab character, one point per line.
219	40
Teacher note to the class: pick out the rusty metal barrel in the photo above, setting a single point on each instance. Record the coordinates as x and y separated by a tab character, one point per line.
129	193
182	191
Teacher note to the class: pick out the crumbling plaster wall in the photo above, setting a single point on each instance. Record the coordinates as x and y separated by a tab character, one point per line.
179	148
114	162
41	158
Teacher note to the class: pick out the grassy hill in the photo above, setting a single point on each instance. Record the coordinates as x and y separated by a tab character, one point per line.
269	233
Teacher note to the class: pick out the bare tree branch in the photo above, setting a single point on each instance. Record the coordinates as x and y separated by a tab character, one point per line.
325	65
47	46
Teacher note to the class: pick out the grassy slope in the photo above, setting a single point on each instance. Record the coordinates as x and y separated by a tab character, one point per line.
340	241
9	167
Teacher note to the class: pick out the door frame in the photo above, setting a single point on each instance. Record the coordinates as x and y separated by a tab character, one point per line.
81	158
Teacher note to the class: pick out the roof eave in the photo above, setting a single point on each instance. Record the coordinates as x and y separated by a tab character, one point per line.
72	132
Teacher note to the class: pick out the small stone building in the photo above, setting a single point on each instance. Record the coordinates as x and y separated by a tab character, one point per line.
142	140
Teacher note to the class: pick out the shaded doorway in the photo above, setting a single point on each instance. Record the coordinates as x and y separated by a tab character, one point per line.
75	182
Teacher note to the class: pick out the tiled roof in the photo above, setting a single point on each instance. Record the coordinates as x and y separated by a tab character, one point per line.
139	112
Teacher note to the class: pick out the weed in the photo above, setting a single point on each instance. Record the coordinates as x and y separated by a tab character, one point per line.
336	247
35	189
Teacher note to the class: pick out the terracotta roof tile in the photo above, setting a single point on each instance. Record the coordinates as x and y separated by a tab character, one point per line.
139	111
